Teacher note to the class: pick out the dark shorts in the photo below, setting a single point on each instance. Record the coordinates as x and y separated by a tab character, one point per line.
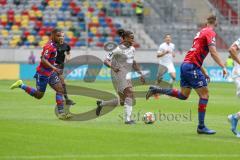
192	76
42	81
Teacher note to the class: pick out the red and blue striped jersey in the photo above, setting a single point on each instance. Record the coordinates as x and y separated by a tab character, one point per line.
49	53
199	50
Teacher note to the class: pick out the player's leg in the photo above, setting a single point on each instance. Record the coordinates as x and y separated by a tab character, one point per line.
173	77
172	72
182	94
68	101
128	105
56	84
162	69
41	83
233	119
202	105
101	103
237	83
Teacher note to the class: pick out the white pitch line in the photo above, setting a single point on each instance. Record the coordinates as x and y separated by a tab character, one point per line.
123	156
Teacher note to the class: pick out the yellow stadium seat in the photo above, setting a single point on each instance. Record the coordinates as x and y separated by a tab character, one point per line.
45	38
39	13
17	18
99	4
68	24
31	13
85	4
4	33
69	34
95	19
25	17
93	30
51	4
31	38
89	15
13	43
60	24
58	3
15	27
24	23
17	37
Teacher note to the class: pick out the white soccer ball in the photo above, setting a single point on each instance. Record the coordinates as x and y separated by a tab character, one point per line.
149	118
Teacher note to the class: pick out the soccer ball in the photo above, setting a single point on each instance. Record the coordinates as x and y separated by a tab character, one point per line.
149	118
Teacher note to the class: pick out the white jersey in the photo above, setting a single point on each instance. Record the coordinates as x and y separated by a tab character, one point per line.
121	56
167	58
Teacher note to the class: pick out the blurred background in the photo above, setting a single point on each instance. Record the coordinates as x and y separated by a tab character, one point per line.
25	26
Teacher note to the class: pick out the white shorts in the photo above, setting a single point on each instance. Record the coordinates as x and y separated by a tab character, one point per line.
170	67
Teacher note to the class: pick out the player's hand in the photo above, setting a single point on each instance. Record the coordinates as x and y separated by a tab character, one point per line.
208	78
166	52
225	72
59	71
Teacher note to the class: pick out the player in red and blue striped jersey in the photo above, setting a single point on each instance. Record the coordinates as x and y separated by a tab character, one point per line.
193	75
47	73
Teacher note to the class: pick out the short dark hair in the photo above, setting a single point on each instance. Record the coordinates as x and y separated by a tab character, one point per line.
55	30
123	33
167	34
211	19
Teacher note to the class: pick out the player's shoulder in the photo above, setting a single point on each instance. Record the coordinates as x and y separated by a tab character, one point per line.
208	30
172	44
132	48
50	46
162	44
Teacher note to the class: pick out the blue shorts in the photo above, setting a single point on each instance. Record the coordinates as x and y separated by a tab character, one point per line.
42	81
192	76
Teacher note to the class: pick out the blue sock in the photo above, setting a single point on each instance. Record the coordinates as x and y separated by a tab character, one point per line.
59	101
201	111
172	92
31	91
201	117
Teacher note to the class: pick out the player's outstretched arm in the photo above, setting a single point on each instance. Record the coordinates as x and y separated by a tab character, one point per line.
233	50
217	59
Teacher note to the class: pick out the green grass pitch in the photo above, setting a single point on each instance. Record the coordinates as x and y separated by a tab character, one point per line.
30	130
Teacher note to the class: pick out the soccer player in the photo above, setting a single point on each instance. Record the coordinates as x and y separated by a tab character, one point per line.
233	50
193	75
63	55
47	73
166	54
121	61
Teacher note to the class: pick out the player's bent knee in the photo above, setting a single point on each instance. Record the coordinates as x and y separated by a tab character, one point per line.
39	95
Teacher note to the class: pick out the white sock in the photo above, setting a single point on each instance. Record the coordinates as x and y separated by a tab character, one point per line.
128	108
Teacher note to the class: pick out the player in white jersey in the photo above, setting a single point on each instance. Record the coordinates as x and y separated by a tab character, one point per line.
165	55
234	51
121	61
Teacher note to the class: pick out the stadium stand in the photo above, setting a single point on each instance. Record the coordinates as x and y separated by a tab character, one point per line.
91	23
228	12
86	23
